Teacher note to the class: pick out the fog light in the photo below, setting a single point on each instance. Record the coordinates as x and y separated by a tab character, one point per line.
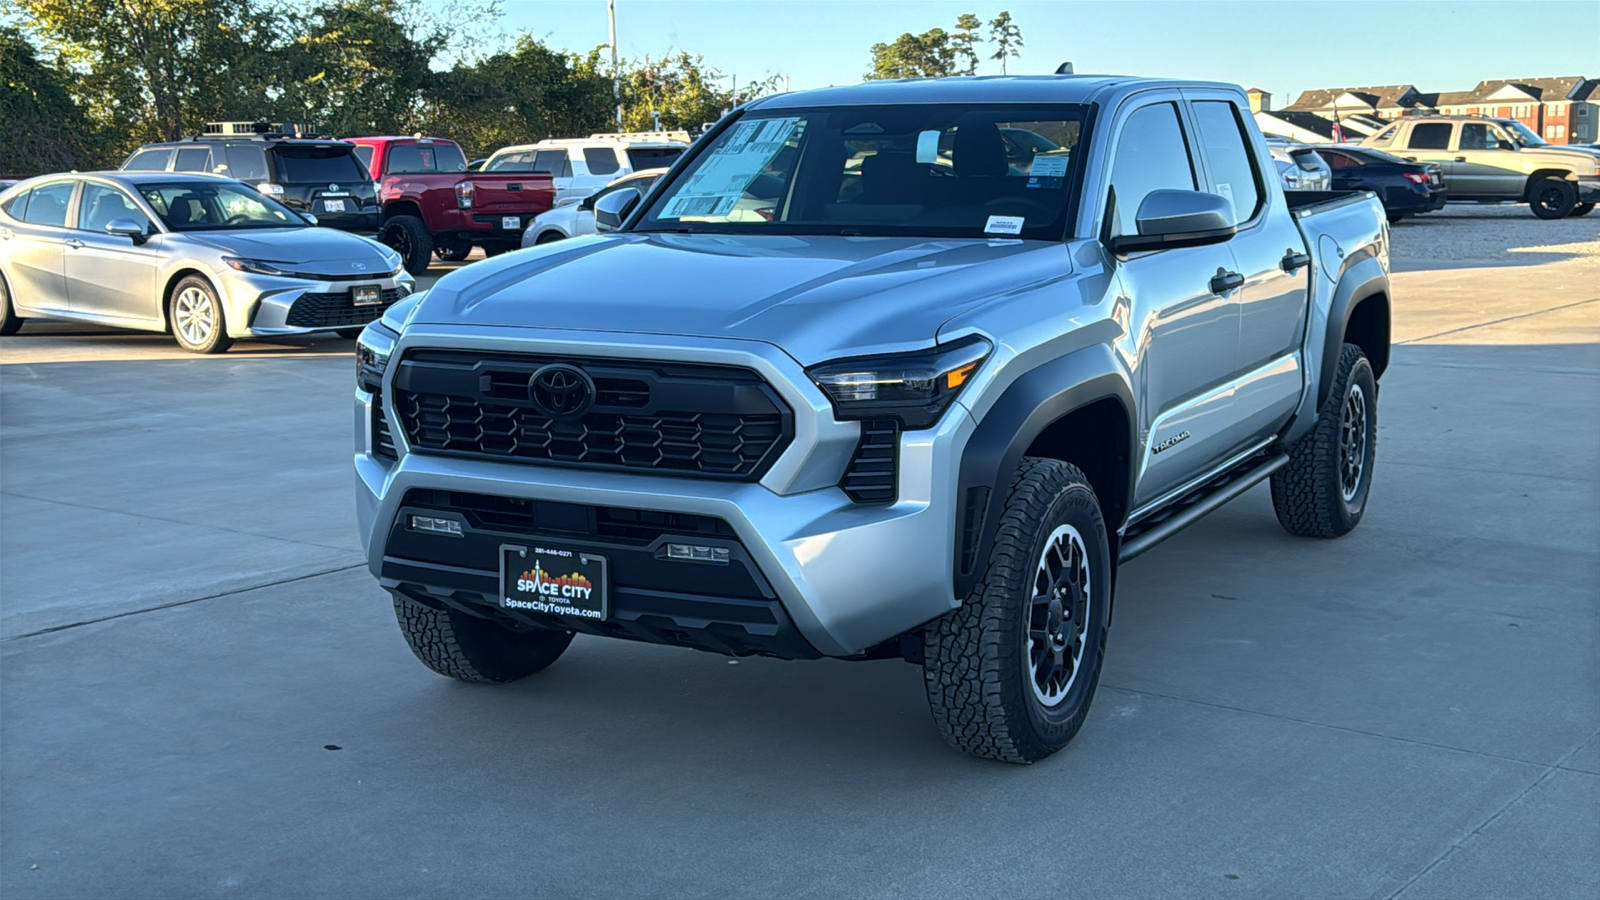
447	527
690	552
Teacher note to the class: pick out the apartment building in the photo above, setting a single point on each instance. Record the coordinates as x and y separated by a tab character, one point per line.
1564	110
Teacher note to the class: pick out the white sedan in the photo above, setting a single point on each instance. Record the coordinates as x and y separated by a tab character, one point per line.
575	218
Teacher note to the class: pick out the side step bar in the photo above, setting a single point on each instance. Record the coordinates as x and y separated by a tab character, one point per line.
1198	503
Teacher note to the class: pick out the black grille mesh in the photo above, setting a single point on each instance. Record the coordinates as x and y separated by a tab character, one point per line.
870	477
336	310
382	438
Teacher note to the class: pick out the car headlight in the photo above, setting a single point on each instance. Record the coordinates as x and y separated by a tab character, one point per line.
914	388
373	348
256	267
393	261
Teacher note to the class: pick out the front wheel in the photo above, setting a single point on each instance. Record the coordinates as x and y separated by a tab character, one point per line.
10	322
1011	673
1552	198
1582	209
196	317
1322	492
467	648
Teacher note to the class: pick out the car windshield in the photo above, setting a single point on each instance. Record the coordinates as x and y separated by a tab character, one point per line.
1525	135
202	206
936	170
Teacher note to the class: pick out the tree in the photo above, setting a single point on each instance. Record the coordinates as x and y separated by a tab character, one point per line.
1007	38
931	54
41	128
683	89
966	42
357	67
530	93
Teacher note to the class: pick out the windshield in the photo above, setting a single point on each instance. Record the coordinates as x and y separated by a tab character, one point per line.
200	206
319	165
945	170
1524	135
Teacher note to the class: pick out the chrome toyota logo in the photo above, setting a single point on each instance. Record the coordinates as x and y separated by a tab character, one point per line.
561	391
333	187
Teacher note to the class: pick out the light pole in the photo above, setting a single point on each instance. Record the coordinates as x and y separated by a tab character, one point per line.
616	70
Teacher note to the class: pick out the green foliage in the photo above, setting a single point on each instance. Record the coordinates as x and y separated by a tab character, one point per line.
683	90
936	53
1007	39
525	95
966	42
39	122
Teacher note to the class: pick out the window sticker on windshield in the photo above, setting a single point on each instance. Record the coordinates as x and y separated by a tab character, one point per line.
1003	225
721	180
1225	189
1046	171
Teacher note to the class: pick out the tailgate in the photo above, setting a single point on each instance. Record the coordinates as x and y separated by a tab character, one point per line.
524	194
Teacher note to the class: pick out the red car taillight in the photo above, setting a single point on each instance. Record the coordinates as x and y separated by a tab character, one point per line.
1416	177
464	192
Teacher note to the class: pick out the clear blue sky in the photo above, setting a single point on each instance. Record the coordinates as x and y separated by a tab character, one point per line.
1283	47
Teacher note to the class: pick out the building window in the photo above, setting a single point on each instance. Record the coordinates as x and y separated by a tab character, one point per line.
1583	111
1561	132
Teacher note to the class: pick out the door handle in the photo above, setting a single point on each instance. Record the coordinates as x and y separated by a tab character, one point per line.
74	242
5	234
1293	260
1225	281
1461	159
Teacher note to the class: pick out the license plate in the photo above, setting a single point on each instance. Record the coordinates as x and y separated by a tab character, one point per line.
333	205
510	223
553	581
366	295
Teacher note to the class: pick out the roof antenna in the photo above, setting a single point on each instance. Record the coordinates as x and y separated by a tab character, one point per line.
1064	69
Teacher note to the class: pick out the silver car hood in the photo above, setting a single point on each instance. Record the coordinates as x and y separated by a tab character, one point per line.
305	248
817	298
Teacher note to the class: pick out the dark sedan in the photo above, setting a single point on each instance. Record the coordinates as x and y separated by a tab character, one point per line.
1406	188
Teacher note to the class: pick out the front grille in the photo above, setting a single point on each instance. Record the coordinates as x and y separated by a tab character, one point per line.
382	438
532	517
336	310
676	419
870	477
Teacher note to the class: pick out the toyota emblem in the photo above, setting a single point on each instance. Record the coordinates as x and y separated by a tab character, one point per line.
561	391
333	187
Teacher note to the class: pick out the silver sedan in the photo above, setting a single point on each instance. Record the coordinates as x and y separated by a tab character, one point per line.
207	258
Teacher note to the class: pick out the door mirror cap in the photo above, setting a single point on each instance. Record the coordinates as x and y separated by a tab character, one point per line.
127	228
1168	219
611	210
310	219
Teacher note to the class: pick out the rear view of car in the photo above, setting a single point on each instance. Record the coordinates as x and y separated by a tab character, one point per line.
1300	167
1406	188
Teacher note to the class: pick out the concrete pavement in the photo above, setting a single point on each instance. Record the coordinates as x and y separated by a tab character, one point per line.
186	630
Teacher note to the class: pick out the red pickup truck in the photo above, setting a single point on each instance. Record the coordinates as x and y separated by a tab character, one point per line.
432	204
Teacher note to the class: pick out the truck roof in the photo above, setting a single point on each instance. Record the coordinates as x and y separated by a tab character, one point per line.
978	89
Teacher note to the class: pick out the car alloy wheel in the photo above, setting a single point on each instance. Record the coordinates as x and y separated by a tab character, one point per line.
1057	616
1352	442
194	314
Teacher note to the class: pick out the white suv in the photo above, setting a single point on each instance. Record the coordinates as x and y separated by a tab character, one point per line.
582	166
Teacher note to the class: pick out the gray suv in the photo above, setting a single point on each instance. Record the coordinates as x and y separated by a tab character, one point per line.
856	381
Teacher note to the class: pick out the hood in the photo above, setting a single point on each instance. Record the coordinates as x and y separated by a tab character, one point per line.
301	249
1584	159
817	298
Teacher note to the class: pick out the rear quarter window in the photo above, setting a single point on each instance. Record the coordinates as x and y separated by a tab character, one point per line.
364	154
600	160
153	159
247	162
653	157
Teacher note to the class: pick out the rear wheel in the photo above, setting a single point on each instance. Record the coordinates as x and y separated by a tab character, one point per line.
453	251
408	236
497	249
1323	490
9	320
549	237
196	317
1010	674
467	648
1552	198
1582	209
1395	219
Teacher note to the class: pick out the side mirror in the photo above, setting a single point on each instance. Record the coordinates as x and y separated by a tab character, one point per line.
1168	219
127	228
310	219
611	210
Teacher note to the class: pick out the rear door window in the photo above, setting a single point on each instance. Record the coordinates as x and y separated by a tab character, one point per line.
1233	171
48	205
600	160
1339	160
407	159
193	159
1151	155
318	165
247	162
449	158
552	162
1430	136
153	159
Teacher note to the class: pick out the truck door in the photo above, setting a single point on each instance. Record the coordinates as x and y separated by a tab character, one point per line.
1182	336
1485	163
1270	253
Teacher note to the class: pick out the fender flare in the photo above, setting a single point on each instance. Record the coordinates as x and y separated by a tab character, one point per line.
1022	412
1361	280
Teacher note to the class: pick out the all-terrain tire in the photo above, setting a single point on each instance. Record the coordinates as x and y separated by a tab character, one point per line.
984	694
9	320
453	251
1315	495
467	648
1552	198
408	236
1582	209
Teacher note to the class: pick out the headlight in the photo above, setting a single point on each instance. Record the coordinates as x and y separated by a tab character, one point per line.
393	261
372	355
915	388
256	267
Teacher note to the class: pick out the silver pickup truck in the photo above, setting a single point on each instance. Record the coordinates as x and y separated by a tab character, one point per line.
903	369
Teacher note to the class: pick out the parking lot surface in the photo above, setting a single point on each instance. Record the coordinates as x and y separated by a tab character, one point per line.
203	692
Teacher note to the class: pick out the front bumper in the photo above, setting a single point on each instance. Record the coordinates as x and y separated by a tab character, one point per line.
265	305
847	576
